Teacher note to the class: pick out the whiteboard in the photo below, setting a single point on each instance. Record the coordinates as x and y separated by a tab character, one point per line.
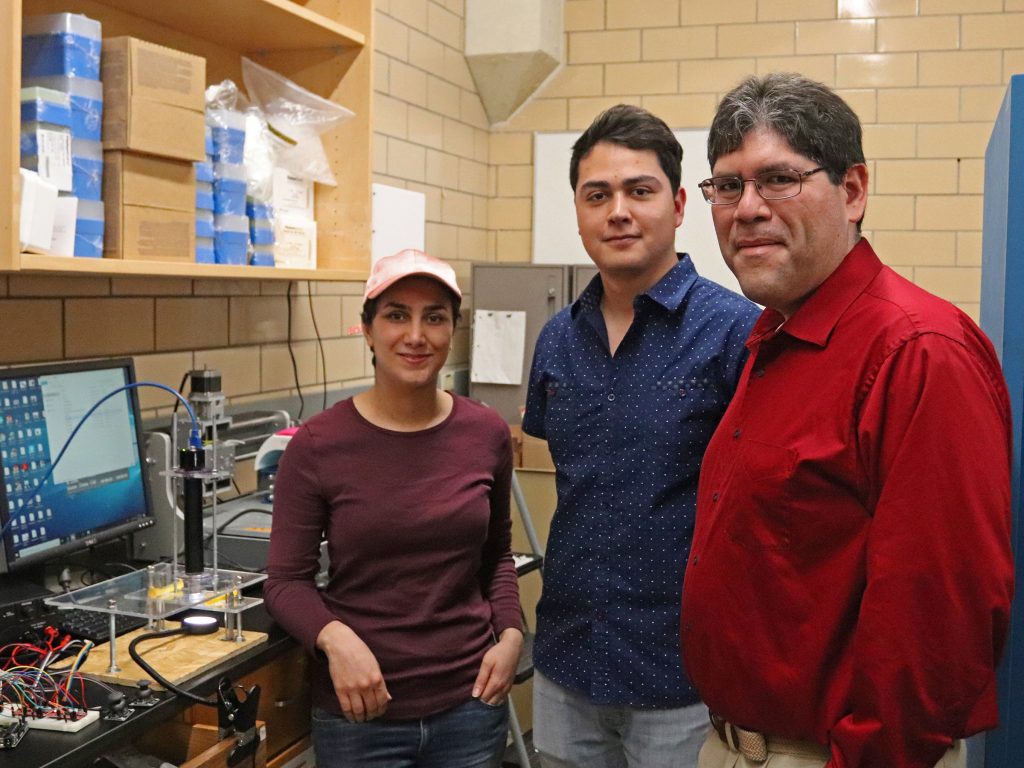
556	239
399	221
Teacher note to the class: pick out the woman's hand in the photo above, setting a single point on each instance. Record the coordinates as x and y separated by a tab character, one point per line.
358	682
499	668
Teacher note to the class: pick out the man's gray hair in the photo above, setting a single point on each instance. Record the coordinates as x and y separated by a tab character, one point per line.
815	121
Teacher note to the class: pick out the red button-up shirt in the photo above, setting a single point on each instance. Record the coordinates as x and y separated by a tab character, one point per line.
851	574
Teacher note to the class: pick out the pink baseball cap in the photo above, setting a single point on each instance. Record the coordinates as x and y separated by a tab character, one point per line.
389	270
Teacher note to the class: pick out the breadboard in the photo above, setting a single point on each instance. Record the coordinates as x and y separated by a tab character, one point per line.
50	721
178	658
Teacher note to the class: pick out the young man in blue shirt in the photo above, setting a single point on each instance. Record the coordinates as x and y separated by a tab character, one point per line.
627	386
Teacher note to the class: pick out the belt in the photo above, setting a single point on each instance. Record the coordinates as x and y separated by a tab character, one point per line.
754	745
751	744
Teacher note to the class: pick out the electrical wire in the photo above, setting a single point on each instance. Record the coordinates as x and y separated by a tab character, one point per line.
319	341
181	391
156	675
291	352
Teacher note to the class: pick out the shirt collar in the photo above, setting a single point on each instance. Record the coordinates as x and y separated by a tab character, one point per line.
669	292
817	317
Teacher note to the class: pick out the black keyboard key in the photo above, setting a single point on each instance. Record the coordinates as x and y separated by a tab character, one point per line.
94	625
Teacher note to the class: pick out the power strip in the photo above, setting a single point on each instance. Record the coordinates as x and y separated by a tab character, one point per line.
50	721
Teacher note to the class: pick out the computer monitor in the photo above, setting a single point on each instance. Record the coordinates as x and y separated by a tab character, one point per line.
97	490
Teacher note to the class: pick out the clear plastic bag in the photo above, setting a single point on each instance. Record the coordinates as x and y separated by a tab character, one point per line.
295	118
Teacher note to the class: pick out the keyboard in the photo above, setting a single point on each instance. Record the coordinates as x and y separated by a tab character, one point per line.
93	625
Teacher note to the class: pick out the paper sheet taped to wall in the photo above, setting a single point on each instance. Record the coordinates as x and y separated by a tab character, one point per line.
499	342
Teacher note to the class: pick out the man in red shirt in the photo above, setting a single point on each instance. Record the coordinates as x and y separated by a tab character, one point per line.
847	595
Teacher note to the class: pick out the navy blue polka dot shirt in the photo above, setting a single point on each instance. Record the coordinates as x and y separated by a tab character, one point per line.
627	434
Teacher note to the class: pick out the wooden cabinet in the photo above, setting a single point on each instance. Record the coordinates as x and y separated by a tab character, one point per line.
323	45
198	746
285	702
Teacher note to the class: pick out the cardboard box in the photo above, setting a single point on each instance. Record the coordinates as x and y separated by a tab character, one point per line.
150	234
536	454
516	430
149	181
153	99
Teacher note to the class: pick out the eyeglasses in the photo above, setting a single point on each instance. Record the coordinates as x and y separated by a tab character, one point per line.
771	185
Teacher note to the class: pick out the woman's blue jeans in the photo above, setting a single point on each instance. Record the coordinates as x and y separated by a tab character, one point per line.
470	735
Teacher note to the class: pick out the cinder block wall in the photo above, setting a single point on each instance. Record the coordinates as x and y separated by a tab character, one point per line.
926	77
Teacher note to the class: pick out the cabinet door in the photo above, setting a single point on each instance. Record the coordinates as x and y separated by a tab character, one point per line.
284	700
538	290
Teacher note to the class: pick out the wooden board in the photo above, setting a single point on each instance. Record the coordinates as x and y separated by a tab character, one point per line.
178	658
198	745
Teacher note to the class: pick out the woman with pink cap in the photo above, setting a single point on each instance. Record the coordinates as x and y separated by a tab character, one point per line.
416	637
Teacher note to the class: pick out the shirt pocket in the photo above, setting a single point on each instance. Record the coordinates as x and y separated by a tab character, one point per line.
759	496
568	418
684	414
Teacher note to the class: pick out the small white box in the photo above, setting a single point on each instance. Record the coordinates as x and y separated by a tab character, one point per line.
65	215
38	206
292	194
294	242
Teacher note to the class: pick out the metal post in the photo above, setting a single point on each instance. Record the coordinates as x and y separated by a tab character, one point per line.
113	669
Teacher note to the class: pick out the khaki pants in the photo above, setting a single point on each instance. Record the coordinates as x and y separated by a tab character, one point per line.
783	753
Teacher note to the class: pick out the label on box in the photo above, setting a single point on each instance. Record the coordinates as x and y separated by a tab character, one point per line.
296	243
292	193
54	153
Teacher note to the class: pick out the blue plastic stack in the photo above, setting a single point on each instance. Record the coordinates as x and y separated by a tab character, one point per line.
45	145
62	45
231	226
86	102
86	169
261	233
89	229
204	206
61	53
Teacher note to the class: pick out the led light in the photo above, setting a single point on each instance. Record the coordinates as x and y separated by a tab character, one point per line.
199	624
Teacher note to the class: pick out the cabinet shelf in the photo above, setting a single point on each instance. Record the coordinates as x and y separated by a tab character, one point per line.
247	25
32	263
324	45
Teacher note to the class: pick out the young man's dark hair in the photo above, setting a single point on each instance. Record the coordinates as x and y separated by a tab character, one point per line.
632	127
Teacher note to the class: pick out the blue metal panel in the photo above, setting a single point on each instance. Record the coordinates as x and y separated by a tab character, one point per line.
1002	318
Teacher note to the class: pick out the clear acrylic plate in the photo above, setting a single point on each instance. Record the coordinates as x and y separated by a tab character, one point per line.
159	591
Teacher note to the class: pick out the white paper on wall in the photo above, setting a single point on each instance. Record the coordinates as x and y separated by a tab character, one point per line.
499	344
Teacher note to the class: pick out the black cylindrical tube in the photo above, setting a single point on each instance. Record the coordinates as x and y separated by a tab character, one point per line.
193	459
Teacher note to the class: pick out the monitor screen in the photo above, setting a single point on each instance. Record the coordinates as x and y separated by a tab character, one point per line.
97	490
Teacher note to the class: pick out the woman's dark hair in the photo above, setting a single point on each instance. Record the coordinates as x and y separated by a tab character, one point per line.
634	128
370	307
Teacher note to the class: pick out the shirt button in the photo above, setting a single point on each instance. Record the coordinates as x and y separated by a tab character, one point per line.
696	559
736	434
611	397
714	496
759	372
